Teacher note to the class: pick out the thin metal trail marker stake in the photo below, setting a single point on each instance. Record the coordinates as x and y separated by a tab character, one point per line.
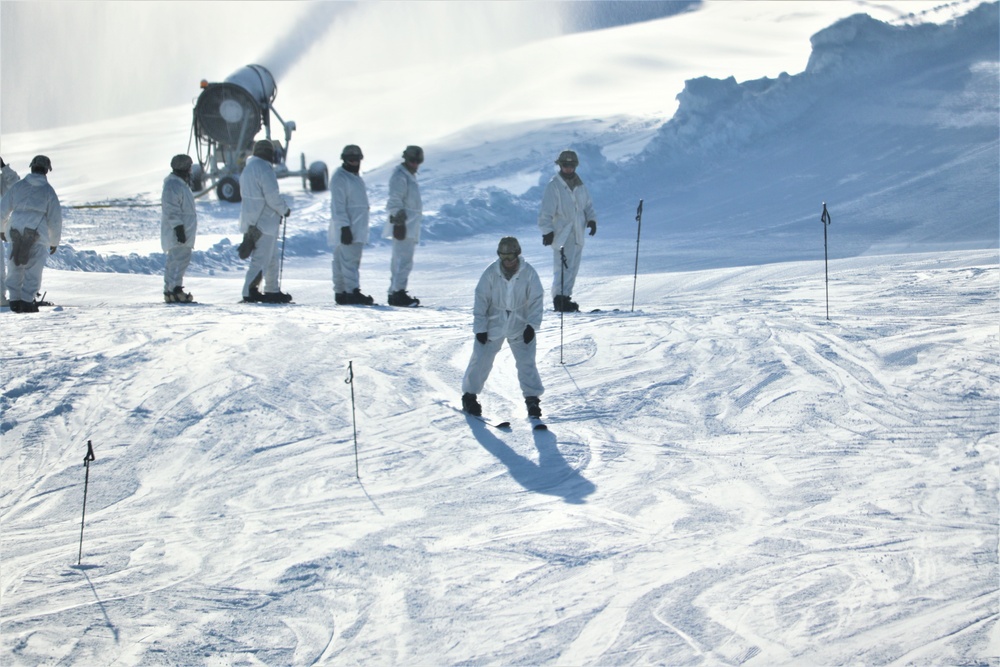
826	220
635	276
86	482
354	421
562	291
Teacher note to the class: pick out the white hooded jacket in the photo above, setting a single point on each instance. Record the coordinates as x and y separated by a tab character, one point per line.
8	177
263	204
348	207
404	194
504	307
31	203
565	211
177	204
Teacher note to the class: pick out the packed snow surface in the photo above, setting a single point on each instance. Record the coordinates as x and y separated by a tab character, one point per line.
750	460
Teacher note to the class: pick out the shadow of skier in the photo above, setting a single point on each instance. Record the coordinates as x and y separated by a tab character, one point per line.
552	475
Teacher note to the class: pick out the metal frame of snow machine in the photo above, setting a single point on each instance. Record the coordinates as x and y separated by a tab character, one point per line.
227	117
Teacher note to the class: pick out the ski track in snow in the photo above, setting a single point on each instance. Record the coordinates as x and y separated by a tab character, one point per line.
729	478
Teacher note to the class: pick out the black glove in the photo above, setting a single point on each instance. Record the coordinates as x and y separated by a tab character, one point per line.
399	231
592	226
346	237
482	337
288	212
399	217
250	238
52	249
181	236
529	334
547	238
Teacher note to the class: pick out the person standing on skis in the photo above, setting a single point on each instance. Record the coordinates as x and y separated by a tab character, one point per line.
31	218
508	306
8	177
261	212
405	215
566	212
178	227
348	228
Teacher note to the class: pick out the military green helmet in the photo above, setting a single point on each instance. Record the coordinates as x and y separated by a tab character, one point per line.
414	154
568	159
40	163
508	246
264	149
351	152
181	162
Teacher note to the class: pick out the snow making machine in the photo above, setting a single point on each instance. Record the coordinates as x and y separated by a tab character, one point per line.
227	118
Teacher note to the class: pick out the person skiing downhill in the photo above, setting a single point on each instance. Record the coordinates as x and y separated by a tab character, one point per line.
260	219
348	232
31	218
509	301
565	213
8	177
405	215
178	227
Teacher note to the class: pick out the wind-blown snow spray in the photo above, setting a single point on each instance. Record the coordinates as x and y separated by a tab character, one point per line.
826	220
86	482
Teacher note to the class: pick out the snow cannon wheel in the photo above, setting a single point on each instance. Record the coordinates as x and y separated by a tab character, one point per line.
319	177
228	189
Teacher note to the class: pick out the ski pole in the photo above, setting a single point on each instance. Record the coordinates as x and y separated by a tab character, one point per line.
562	290
86	482
354	421
826	220
281	266
635	276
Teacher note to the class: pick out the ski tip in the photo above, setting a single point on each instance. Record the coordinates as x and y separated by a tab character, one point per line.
541	427
503	425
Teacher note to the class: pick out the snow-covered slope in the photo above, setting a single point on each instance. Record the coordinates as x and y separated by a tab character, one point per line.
729	478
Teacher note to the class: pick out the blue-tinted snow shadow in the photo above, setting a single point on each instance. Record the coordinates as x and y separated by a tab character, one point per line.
82	569
552	475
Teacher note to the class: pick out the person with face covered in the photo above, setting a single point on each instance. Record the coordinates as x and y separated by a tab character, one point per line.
509	301
31	219
348	232
178	227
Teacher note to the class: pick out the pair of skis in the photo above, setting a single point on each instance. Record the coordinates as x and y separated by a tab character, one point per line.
536	423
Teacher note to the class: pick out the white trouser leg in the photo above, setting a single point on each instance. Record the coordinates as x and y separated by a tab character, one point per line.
564	278
23	282
3	273
178	259
263	260
402	264
347	267
480	365
527	371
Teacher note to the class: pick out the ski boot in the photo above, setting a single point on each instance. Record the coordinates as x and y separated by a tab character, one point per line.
471	405
360	299
276	297
402	299
563	304
534	406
